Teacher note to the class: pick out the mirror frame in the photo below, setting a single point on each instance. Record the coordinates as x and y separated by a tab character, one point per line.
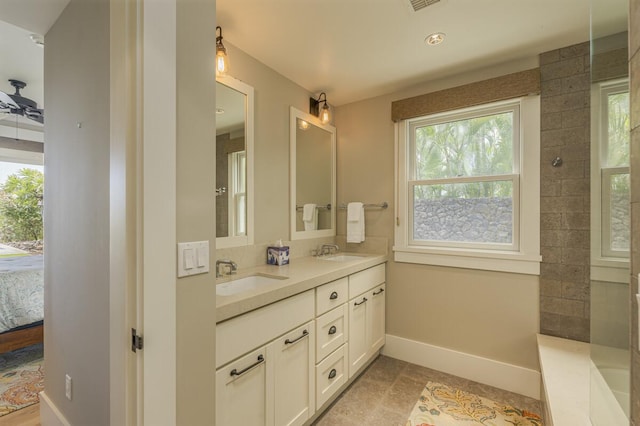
313	120
239	86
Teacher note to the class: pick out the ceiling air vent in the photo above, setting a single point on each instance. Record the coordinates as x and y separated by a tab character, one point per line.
421	4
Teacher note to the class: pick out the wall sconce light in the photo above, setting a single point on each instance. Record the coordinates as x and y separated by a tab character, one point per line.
222	61
314	108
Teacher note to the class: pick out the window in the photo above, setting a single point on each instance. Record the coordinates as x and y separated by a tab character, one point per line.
610	181
238	192
468	188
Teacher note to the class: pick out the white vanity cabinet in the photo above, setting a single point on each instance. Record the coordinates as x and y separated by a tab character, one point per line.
278	364
274	384
366	316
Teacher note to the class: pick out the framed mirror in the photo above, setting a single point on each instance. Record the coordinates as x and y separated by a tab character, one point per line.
313	176
234	163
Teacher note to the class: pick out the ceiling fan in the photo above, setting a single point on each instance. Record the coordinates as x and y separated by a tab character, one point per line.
19	105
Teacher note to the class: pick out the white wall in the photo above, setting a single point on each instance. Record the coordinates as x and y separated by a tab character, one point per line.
488	314
77	212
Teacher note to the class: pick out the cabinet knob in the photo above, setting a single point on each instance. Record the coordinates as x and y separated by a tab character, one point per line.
375	293
334	295
333	330
332	373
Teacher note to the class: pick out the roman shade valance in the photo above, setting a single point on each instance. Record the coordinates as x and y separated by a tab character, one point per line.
510	86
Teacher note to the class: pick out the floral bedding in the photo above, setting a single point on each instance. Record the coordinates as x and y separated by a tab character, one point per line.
21	291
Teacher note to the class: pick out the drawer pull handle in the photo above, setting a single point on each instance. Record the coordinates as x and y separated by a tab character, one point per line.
235	372
334	295
333	330
375	293
305	333
364	299
333	373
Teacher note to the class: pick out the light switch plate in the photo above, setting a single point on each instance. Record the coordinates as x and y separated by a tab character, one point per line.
638	299
193	258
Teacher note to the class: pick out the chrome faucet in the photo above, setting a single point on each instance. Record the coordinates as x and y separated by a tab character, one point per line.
233	267
327	248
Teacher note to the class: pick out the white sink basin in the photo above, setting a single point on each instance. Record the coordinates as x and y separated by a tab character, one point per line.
342	257
240	285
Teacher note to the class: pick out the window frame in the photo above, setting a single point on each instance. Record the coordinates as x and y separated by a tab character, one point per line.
523	255
606	265
237	192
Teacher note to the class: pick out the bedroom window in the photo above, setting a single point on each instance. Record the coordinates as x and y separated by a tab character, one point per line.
468	188
610	181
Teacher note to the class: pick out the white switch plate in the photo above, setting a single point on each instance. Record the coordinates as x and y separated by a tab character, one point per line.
193	258
67	386
638	299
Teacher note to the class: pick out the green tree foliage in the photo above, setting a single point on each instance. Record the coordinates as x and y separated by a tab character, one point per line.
480	146
21	206
618	131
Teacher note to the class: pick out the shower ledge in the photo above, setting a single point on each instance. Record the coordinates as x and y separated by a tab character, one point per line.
564	365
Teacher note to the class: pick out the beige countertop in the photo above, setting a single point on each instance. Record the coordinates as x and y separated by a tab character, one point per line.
301	274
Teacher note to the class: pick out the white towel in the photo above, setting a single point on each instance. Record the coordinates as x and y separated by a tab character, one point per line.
355	223
310	217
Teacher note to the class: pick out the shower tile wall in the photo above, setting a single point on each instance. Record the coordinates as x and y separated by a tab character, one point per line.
564	192
634	71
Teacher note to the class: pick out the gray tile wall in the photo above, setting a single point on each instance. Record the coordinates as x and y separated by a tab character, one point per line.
564	192
634	71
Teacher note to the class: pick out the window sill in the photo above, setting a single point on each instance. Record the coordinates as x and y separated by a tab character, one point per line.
500	261
610	270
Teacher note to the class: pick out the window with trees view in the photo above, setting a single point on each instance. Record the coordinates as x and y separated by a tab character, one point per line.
460	181
21	200
614	170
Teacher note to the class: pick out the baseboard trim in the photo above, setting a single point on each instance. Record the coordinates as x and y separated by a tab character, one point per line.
513	378
49	413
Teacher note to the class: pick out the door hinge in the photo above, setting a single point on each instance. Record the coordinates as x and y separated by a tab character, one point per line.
137	342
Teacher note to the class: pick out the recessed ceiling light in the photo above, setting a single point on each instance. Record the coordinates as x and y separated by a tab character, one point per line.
219	111
435	38
37	39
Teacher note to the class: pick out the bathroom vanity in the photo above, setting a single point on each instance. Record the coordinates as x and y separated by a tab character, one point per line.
286	349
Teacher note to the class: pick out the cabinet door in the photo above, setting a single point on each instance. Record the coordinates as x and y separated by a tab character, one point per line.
376	318
358	342
293	376
241	391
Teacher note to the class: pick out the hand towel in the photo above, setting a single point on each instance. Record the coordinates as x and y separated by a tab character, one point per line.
355	222
310	217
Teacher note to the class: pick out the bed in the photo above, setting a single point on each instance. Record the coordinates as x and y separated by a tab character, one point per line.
21	301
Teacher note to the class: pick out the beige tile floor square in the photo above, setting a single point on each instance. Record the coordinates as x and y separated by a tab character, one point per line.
389	388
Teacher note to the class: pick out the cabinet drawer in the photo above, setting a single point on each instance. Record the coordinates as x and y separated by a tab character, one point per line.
331	295
243	333
364	280
331	331
331	374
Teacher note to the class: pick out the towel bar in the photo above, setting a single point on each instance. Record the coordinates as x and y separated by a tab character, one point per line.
382	205
319	206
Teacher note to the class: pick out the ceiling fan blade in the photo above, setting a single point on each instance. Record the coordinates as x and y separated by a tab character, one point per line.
7	102
38	118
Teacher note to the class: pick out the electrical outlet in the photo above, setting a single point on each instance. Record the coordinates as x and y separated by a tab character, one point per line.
67	386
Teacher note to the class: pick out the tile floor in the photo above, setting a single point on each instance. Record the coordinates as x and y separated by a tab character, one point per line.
387	391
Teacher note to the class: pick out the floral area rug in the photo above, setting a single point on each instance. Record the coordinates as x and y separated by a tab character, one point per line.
21	378
441	405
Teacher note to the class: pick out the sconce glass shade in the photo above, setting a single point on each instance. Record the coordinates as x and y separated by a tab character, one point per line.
324	115
222	60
